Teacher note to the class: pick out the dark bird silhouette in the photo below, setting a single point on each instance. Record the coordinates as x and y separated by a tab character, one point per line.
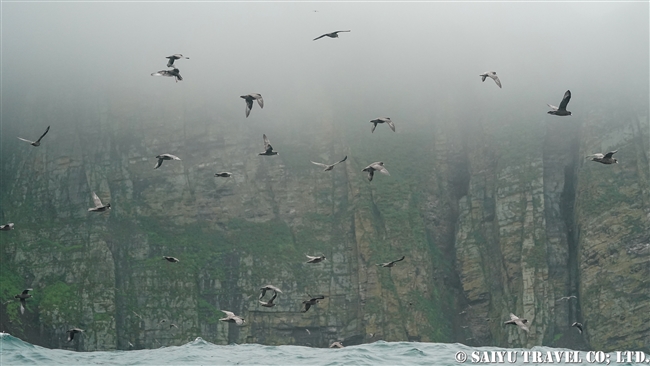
372	168
163	157
37	142
318	259
521	323
604	159
331	35
561	111
223	174
268	149
313	301
99	206
382	120
577	325
173	58
329	167
492	75
173	73
249	101
24	295
72	332
269	304
171	259
269	288
390	264
7	227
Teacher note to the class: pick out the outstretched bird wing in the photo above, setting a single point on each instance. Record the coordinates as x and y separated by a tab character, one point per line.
20	138
320	164
609	154
552	107
496	79
344	159
260	100
96	200
267	144
44	133
565	100
390	123
249	105
319	37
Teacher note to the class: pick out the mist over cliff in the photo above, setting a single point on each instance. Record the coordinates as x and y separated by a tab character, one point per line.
489	198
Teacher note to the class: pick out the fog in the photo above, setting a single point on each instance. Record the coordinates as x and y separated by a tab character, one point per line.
399	60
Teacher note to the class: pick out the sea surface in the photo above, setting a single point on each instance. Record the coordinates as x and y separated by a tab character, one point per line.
14	351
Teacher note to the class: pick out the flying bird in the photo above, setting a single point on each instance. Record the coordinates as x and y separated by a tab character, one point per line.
268	149
315	259
382	120
174	57
492	75
232	318
311	301
577	325
566	298
521	323
72	332
269	304
561	111
171	259
172	326
269	288
337	345
99	206
390	264
329	167
175	73
331	35
223	174
7	227
37	142
24	295
604	159
164	157
377	166
249	101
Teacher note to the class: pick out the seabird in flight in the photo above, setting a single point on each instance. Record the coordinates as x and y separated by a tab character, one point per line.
390	264
604	159
492	75
331	35
173	58
24	295
329	167
561	111
382	120
249	101
37	142
163	157
268	149
377	166
521	323
99	206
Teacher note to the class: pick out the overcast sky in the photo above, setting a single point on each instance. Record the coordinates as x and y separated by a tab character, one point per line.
398	60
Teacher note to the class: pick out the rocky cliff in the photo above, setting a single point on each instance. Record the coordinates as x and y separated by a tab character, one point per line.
495	214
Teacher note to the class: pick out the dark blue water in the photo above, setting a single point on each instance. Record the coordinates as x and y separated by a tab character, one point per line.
14	351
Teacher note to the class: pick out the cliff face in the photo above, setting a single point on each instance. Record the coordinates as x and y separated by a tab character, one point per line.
493	217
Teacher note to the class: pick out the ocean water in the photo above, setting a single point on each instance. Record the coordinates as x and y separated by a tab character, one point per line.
14	351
